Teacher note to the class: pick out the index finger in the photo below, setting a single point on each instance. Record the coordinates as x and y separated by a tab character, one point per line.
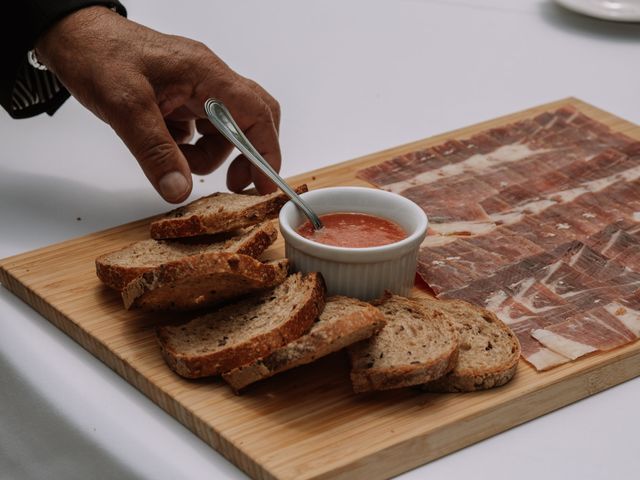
264	138
255	118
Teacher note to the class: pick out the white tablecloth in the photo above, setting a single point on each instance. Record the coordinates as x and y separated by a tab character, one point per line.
353	77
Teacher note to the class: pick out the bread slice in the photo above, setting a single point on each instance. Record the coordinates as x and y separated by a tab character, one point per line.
344	321
241	332
201	280
416	345
489	350
117	269
219	212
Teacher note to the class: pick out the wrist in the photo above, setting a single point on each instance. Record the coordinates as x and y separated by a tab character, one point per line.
65	37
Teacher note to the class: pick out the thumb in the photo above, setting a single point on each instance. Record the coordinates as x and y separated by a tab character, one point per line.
144	131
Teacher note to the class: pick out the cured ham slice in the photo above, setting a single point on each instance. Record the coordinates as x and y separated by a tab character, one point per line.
546	236
597	329
621	246
593	264
533	351
466	169
457	264
451	201
539	221
464	260
502	178
405	167
523	321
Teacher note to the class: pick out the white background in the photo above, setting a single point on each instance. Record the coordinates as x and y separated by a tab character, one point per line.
353	77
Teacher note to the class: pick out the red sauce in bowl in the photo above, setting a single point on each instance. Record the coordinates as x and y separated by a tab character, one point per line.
353	230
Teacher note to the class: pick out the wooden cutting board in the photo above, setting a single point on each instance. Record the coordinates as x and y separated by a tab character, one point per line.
305	423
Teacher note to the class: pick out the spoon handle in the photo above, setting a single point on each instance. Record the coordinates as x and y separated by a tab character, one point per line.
220	117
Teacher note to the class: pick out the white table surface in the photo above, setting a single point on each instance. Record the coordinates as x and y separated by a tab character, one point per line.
353	77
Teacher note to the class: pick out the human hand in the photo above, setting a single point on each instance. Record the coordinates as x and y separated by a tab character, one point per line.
151	88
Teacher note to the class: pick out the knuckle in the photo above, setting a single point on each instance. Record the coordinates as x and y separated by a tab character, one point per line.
116	100
156	156
200	52
251	102
200	47
127	99
275	108
263	116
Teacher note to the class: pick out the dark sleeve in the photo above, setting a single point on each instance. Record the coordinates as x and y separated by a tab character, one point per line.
24	90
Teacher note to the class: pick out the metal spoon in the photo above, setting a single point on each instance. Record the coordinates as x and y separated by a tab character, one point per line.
223	121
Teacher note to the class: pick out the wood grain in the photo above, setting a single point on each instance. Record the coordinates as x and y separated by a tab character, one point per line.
305	423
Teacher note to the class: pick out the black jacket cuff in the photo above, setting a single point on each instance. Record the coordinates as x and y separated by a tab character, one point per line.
22	87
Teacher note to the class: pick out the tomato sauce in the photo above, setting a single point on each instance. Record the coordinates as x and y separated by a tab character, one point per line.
354	230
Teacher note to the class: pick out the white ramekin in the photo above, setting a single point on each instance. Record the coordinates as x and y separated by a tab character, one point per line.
363	273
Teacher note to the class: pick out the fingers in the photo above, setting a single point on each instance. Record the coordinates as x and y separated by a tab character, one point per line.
209	152
272	103
142	128
265	139
259	125
181	131
239	174
258	116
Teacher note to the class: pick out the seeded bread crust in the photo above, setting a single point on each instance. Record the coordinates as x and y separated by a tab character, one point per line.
416	345
117	269
202	280
239	333
343	322
489	350
219	212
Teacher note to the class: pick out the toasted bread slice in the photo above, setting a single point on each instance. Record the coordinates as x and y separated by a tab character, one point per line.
117	269
219	212
241	332
416	345
201	280
344	321
489	350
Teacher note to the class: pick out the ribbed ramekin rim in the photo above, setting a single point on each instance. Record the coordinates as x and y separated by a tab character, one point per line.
401	246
